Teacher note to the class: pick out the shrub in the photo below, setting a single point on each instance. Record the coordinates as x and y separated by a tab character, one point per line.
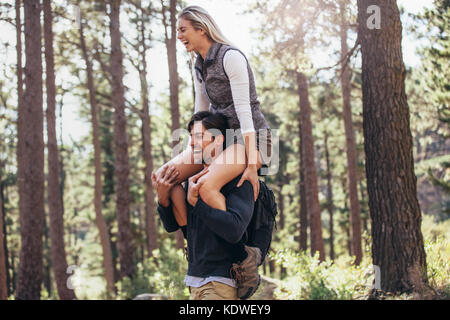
309	279
162	274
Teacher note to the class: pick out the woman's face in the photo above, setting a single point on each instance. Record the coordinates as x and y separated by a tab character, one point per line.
189	36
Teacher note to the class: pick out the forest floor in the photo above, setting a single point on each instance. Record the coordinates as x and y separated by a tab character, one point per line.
266	289
268	286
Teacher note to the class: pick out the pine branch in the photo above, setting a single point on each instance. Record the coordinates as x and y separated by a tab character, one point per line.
345	60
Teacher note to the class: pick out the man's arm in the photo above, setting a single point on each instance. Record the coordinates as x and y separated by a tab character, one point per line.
163	186
167	217
232	223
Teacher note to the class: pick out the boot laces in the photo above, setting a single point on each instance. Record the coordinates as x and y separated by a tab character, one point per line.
236	273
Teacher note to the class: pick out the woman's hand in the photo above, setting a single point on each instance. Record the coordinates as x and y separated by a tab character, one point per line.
251	175
194	187
164	183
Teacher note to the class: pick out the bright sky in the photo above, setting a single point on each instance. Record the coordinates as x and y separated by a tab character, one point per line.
235	26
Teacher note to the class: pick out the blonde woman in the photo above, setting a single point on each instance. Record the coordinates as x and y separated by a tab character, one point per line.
224	83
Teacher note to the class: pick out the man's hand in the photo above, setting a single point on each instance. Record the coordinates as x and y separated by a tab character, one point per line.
164	184
194	187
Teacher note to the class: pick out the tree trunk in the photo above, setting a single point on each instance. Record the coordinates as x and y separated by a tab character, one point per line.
398	248
121	163
47	277
99	219
20	109
150	221
303	244
58	252
330	204
31	191
3	269
171	47
9	282
355	211
312	190
365	213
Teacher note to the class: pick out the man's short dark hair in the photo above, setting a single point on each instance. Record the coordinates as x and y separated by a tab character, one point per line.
210	121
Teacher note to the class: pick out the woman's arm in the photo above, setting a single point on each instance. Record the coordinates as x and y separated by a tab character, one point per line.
201	100
235	66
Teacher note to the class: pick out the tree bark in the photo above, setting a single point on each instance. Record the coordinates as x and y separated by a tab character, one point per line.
31	190
330	205
171	47
20	110
150	221
3	269
303	244
312	190
121	163
47	277
398	248
10	284
58	252
352	173
98	188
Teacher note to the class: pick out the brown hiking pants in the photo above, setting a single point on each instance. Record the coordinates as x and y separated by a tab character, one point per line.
213	291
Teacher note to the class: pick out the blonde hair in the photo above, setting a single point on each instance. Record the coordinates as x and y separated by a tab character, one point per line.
201	19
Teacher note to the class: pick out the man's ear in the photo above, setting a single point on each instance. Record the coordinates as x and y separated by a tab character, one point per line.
219	139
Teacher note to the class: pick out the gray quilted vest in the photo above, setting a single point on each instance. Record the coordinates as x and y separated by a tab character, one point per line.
216	85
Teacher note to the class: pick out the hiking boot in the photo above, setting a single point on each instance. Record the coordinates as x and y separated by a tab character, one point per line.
246	273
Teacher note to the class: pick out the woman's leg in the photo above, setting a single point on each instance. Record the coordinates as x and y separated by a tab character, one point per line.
227	166
184	164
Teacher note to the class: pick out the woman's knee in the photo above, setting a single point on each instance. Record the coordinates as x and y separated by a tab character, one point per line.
208	190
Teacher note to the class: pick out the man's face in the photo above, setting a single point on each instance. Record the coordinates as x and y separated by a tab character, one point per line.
203	143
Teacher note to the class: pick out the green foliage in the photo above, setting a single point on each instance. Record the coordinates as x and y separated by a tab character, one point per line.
308	279
429	90
437	248
162	274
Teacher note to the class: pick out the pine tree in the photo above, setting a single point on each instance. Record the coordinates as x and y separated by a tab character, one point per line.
398	247
31	190
99	219
58	252
355	211
121	164
171	47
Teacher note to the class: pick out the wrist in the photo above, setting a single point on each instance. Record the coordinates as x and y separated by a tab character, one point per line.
193	200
